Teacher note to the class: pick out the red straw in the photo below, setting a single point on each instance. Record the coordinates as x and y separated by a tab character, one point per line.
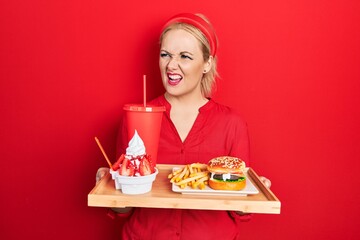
144	90
103	152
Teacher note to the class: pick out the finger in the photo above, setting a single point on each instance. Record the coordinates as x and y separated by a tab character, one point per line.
266	181
101	172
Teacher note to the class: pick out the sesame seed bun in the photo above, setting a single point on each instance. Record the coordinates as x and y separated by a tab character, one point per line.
226	164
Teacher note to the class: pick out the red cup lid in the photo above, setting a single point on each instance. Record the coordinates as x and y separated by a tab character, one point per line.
142	108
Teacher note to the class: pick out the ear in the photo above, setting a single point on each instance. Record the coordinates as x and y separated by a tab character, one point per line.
208	64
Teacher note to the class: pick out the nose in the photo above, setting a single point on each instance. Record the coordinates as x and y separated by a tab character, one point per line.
173	63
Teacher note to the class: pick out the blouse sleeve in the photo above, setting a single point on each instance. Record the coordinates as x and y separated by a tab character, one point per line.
241	148
240	144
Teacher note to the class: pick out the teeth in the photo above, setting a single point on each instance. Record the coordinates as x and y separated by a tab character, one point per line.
174	77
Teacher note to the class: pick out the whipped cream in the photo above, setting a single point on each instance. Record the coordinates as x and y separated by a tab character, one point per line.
136	146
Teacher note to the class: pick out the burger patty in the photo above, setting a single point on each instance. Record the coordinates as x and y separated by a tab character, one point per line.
233	178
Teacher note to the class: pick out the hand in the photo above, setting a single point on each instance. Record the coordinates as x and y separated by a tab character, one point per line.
244	217
265	181
101	172
122	210
240	213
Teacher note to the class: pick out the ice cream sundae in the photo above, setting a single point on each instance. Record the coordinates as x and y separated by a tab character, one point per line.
134	171
135	162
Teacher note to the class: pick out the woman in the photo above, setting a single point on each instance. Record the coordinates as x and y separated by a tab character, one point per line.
194	129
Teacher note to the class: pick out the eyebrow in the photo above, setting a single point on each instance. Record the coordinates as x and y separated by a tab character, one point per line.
183	52
186	52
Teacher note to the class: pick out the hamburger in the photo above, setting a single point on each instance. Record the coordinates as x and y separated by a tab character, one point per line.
227	173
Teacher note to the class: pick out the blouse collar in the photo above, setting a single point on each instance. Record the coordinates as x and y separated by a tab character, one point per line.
203	108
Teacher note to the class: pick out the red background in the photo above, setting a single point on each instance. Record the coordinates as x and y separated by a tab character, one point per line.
67	67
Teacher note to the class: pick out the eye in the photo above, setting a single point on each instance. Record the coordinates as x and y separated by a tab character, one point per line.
185	56
164	54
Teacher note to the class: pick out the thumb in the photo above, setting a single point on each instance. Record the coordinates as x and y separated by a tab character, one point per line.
101	172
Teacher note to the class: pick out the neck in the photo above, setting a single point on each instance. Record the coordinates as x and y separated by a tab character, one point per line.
196	101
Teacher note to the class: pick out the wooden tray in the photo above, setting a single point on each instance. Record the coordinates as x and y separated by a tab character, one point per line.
104	194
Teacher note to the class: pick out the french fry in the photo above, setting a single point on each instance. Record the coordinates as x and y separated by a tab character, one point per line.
173	179
190	169
194	175
174	173
187	171
175	176
197	176
200	166
197	173
200	182
182	174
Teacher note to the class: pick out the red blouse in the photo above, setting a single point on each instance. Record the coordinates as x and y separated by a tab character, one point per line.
217	131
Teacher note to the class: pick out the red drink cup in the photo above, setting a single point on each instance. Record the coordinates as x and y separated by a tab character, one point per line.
147	122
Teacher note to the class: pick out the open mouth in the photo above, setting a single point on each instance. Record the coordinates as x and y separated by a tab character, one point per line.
174	79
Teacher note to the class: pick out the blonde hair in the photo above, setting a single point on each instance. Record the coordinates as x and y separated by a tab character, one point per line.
208	81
